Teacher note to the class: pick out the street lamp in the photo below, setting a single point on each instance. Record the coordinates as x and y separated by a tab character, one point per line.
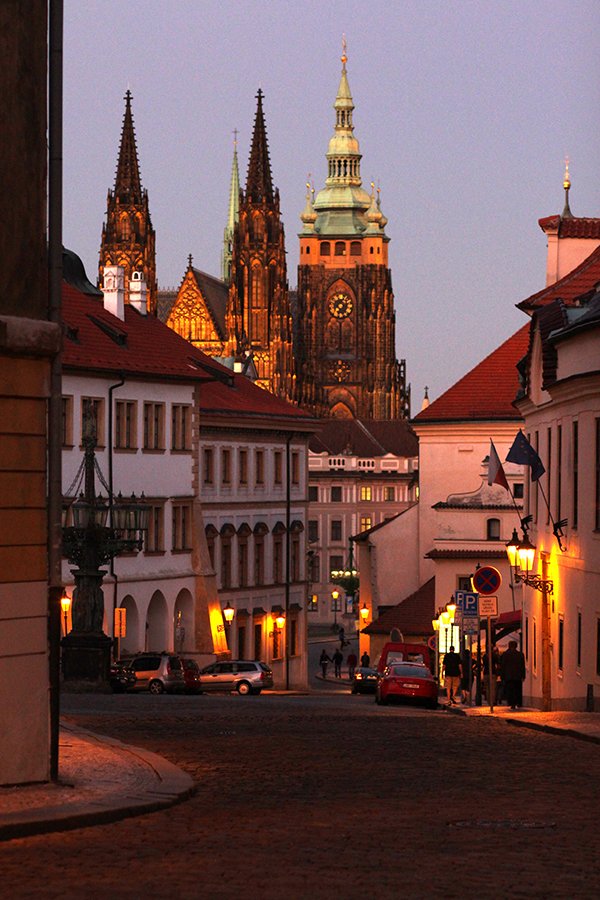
228	613
65	605
280	621
364	612
521	555
90	543
335	596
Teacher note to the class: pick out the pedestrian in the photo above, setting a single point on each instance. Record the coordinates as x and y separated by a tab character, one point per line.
365	660
342	637
452	671
351	661
324	660
338	659
512	670
466	681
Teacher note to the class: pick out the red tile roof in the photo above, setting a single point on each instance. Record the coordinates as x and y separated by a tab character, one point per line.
581	280
142	346
574	227
365	438
412	616
487	391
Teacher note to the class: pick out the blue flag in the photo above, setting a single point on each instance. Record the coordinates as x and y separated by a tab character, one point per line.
523	454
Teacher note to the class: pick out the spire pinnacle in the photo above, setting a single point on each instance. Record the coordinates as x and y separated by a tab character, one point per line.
566	213
233	215
128	185
344	57
259	181
190	260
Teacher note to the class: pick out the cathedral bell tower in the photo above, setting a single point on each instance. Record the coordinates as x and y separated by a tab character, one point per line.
345	351
258	318
128	237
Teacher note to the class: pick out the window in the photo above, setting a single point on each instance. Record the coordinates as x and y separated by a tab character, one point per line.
259	559
278	459
463	583
579	639
181	427
355	248
527	638
313	493
259	461
336	563
365	523
92	417
325	248
295	468
208	465
313	530
336	603
243	466
241	641
561	642
536	489
336	529
154	426
518	492
67	421
389	493
549	470
226	466
340	248
125	424
276	642
534	647
225	561
597	503
293	638
258	641
295	558
559	472
154	541
314	568
365	493
242	562
493	529
313	603
182	526
336	494
277	559
575	473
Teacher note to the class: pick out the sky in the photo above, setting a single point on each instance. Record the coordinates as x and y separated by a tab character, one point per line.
464	112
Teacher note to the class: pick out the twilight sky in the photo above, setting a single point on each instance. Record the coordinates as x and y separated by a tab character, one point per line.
464	114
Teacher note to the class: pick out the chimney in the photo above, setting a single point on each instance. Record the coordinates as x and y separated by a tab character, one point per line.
138	292
113	288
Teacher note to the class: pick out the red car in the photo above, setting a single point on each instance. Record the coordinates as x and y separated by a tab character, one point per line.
407	681
191	675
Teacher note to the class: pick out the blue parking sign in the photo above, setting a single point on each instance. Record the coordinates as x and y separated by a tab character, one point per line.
468	603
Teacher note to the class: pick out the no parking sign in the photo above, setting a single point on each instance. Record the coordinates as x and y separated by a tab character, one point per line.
487	580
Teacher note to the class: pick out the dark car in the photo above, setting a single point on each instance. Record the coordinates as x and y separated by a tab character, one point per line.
364	681
121	677
191	676
407	681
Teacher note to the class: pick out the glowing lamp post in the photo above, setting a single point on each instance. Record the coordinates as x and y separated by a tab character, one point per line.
65	605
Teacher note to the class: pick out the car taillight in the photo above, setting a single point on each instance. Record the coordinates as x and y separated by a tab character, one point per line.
168	668
263	675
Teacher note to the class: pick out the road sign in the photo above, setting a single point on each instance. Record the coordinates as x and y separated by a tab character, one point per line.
470	625
488	606
487	580
466	602
120	622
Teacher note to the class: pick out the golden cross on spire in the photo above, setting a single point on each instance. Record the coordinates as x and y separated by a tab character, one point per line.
235	134
566	177
344	50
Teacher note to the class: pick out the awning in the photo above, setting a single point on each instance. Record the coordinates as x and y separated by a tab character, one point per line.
504	624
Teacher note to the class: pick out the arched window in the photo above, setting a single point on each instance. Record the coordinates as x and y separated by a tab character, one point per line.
340	248
493	529
355	248
325	248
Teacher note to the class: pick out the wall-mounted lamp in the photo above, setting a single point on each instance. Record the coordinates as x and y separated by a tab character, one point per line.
521	555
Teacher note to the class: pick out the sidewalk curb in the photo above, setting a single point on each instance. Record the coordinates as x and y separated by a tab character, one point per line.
533	726
167	786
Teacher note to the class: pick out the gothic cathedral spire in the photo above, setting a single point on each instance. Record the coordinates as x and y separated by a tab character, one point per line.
345	340
258	319
128	238
233	216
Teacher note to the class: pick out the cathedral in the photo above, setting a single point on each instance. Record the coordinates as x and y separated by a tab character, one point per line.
329	346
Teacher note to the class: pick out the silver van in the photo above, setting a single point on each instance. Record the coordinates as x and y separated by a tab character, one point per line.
157	672
245	676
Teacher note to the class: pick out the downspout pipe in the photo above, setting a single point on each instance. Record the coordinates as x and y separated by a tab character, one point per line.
287	558
113	574
55	587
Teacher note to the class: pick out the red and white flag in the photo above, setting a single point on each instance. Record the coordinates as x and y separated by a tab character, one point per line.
495	471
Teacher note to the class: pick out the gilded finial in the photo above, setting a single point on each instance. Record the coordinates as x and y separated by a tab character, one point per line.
190	260
344	51
566	177
235	134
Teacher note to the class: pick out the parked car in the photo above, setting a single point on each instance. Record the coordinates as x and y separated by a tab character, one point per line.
364	681
395	652
241	675
157	672
191	676
121	677
407	681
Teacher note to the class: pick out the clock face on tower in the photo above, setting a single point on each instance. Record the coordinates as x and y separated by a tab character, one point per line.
340	305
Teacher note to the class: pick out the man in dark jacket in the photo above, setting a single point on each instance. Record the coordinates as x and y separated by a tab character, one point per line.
512	672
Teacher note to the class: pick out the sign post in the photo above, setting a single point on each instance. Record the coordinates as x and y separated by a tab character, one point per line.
468	604
488	608
120	627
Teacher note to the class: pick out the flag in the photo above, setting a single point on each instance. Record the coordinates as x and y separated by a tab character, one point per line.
523	454
495	471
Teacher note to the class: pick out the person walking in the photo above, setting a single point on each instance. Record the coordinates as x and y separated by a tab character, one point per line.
351	662
365	660
324	661
512	670
452	671
338	659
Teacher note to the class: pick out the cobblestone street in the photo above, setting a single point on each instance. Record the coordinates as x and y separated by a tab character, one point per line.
329	796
